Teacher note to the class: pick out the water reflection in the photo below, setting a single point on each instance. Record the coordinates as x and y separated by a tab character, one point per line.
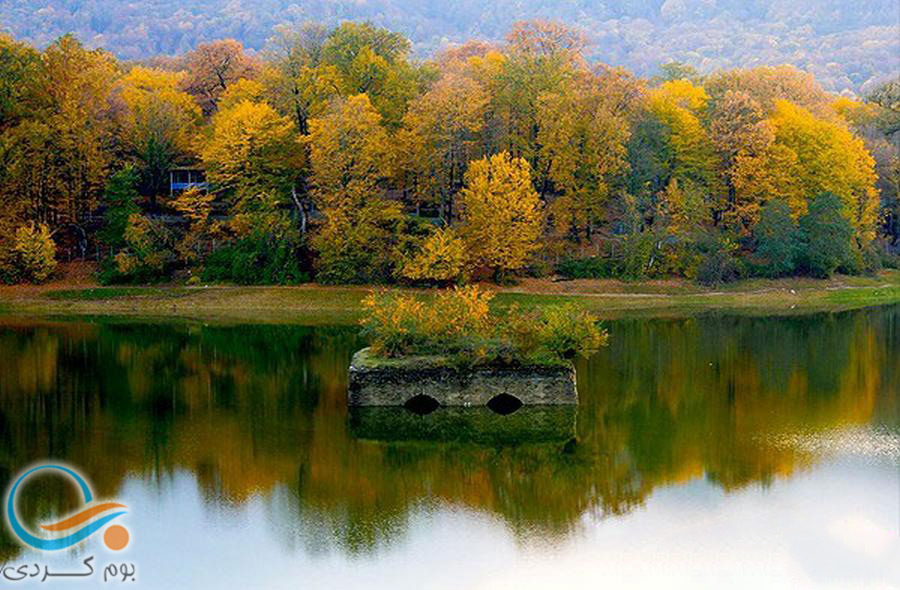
259	412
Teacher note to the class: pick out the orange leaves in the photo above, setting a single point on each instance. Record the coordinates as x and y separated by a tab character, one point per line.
212	67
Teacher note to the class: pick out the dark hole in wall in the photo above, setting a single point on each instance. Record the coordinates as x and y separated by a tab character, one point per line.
421	404
504	404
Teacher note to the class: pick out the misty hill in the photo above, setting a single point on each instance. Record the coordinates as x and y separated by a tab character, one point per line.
847	45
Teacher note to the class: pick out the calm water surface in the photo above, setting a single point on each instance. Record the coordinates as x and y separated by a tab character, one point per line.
707	452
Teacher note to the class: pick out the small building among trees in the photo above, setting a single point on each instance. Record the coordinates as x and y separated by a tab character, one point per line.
185	178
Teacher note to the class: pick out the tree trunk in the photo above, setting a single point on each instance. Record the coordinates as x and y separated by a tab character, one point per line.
301	210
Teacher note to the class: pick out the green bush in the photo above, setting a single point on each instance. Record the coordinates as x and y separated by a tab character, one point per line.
566	331
258	260
146	257
459	324
592	267
779	240
637	253
34	253
827	237
440	259
718	263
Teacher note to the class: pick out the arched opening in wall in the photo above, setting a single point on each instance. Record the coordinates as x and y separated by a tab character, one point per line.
422	404
504	404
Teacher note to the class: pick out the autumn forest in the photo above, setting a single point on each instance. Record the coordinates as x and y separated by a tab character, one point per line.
335	156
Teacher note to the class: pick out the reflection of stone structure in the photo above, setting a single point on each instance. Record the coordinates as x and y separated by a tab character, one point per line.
394	382
540	424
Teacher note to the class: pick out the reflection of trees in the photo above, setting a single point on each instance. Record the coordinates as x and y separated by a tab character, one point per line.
699	395
259	410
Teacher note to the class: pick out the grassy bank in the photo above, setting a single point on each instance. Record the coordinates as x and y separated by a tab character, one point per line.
320	304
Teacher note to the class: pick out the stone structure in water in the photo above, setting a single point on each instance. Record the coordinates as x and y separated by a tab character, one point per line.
434	380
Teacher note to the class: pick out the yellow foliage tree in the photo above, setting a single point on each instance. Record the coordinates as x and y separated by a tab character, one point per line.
159	122
501	217
441	258
679	105
583	135
440	136
349	156
251	149
58	160
810	156
196	206
349	153
35	252
245	89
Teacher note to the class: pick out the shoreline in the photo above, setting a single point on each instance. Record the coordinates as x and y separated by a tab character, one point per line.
318	304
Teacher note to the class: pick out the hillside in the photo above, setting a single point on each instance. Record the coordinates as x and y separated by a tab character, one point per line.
848	46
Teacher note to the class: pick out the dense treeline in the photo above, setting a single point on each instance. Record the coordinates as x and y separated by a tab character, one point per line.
847	46
337	157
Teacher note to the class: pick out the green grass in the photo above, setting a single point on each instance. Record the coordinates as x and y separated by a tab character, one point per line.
316	304
876	296
107	293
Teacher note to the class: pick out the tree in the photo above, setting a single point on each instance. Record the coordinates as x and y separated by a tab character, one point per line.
679	105
810	156
359	244
583	137
19	66
196	206
887	96
121	203
827	236
767	84
349	153
441	133
769	172
778	239
373	61
251	150
159	123
146	256
501	215
441	259
293	72
737	127
541	57
676	70
56	160
877	122
212	67
349	156
546	38
35	252
681	215
244	90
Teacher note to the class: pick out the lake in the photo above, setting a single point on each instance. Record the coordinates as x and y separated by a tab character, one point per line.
718	450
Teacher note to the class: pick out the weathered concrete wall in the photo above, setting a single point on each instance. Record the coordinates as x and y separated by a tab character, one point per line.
376	382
